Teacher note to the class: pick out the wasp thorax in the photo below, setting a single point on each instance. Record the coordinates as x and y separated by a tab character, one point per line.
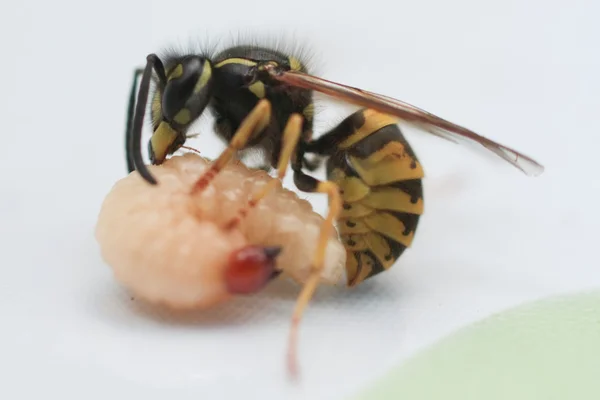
187	91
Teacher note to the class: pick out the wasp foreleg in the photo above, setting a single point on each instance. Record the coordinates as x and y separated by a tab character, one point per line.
255	122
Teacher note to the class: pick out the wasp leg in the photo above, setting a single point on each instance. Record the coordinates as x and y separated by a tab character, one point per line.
307	183
291	136
255	122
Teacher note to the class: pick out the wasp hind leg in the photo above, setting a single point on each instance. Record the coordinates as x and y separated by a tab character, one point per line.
255	122
307	183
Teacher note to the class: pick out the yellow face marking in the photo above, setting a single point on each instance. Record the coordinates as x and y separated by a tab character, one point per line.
183	117
176	72
388	171
204	77
392	199
295	64
374	121
390	226
309	111
156	109
258	88
162	139
235	60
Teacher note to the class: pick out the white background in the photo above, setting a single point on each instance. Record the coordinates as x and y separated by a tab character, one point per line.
523	73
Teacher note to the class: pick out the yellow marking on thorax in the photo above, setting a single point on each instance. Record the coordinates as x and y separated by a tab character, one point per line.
295	64
234	60
390	226
388	198
258	88
204	77
374	121
309	111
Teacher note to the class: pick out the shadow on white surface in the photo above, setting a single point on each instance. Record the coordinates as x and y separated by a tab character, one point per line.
114	304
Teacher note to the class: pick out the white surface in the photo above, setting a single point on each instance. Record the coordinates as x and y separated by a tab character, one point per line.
525	74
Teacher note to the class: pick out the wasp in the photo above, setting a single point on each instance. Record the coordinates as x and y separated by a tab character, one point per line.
262	99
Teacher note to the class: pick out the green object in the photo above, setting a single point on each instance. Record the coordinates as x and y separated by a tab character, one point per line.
548	350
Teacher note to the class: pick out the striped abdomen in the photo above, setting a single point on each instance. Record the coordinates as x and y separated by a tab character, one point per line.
380	179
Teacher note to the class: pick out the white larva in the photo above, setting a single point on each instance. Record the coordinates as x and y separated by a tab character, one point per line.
170	247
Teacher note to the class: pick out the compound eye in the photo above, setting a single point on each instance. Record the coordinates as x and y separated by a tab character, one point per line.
181	82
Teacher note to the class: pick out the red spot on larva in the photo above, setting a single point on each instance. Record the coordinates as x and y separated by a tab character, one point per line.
250	269
232	224
203	182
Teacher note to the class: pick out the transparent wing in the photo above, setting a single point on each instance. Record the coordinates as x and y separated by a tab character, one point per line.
410	114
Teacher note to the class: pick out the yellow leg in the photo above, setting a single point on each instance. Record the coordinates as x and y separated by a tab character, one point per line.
256	121
310	286
291	135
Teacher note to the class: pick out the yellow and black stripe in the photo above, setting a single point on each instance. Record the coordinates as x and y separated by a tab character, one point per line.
380	181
